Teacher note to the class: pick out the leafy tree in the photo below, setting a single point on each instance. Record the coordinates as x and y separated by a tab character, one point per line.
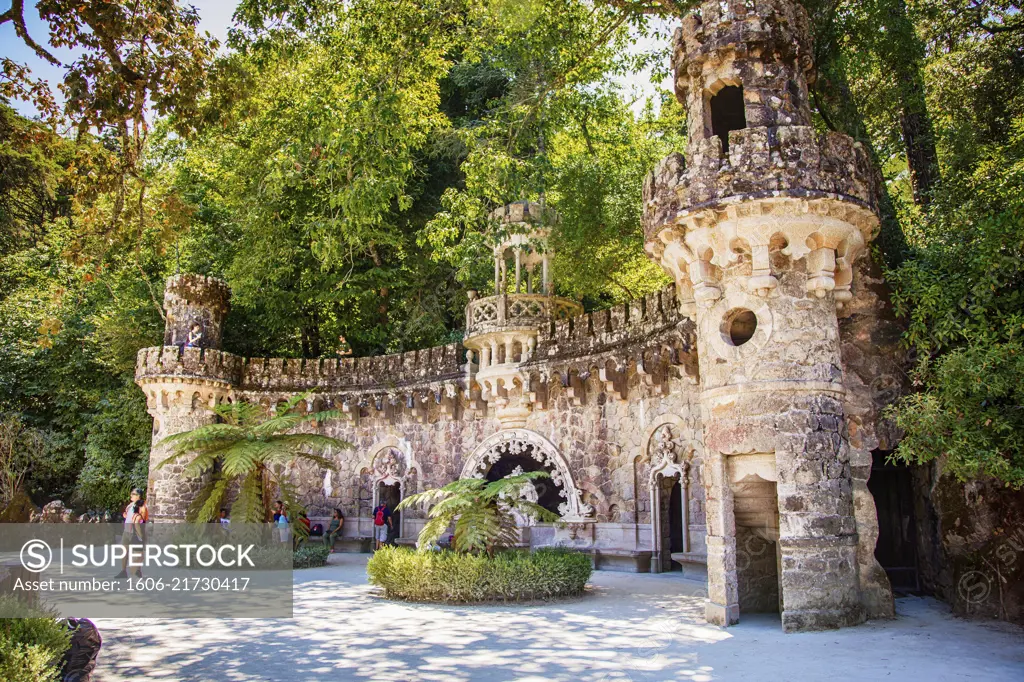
481	511
250	450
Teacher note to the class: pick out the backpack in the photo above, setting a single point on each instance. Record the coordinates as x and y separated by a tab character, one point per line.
378	518
80	658
316	530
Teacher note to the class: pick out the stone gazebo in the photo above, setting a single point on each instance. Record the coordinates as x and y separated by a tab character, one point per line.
502	330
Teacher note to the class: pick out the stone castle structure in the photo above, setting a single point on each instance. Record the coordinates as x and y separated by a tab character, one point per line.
722	426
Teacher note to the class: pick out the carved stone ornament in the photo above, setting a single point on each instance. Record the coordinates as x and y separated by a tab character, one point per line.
388	466
523	441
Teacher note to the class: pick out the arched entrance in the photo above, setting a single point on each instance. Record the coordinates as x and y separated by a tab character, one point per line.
521	449
390	474
674	475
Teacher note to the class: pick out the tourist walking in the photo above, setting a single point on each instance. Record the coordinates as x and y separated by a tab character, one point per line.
136	514
381	524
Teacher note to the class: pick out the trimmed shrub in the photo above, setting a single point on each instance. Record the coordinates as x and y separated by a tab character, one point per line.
448	576
310	556
31	649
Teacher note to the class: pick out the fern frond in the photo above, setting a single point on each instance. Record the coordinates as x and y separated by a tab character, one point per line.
534	510
511	485
207	507
202	463
248	506
278	424
312	441
432	530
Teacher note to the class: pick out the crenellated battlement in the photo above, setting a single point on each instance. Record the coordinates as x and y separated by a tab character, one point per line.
173	363
382	372
197	290
740	29
624	324
789	161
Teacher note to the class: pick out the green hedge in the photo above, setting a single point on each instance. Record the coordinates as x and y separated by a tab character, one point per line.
448	576
310	556
31	649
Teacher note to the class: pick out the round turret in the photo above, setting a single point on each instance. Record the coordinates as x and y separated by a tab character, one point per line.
191	300
760	224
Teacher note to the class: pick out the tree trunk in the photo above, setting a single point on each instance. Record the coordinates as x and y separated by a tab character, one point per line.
904	53
835	103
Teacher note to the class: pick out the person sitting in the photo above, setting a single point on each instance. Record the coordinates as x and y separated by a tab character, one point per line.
334	529
195	336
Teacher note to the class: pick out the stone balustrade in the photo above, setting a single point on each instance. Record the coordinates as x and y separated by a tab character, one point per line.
496	313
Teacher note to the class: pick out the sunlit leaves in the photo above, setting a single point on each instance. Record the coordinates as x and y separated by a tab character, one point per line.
480	512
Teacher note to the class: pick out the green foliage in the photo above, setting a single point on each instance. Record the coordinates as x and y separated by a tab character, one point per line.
562	132
31	646
963	295
251	448
481	512
338	162
446	576
310	556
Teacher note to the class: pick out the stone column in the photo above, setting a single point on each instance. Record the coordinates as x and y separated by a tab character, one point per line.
723	605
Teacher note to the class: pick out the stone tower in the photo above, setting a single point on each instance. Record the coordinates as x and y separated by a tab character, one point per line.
760	226
502	330
181	384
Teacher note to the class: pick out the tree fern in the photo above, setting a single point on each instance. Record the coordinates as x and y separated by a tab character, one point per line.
482	512
250	449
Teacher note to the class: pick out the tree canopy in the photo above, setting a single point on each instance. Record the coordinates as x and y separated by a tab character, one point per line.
335	163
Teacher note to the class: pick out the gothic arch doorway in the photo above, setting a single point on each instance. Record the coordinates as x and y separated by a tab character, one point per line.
392	475
671	483
521	449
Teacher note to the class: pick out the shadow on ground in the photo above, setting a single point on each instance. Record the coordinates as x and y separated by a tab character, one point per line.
628	627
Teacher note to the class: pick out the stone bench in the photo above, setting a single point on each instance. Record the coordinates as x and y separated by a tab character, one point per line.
624	560
694	565
620	560
347	545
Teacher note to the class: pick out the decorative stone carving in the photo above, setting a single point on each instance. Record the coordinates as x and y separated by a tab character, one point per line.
389	466
523	441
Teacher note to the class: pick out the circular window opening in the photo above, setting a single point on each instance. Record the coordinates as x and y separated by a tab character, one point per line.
739	326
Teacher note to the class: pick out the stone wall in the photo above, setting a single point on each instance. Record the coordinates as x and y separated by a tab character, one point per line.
606	441
602	384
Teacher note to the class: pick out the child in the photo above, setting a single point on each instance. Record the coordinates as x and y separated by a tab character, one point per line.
284	526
